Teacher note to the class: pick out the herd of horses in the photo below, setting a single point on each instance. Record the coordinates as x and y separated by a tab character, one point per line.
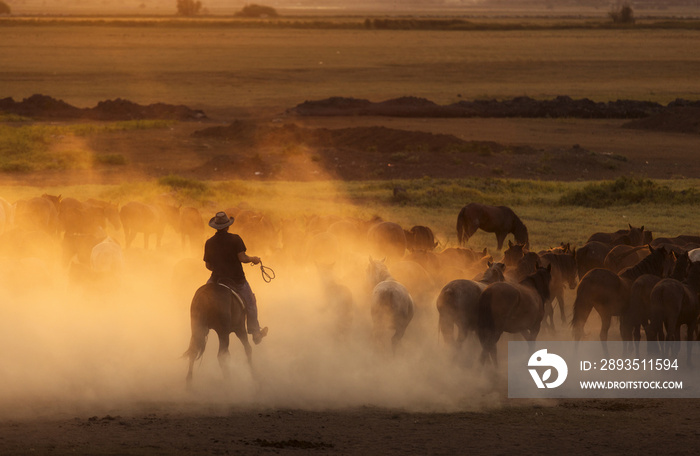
650	285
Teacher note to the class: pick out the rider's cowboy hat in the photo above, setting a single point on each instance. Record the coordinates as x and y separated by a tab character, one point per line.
220	221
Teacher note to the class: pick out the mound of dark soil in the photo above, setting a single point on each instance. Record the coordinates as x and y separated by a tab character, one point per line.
680	119
559	107
45	107
374	139
288	151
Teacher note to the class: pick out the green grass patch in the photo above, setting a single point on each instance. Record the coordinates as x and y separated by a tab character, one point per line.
26	148
191	188
626	191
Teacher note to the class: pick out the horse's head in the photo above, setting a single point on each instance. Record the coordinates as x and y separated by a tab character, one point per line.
513	254
495	273
636	235
377	271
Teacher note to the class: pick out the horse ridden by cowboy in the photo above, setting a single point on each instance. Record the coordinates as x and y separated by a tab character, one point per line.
224	255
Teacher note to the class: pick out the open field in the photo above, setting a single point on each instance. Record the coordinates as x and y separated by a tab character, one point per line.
94	368
219	69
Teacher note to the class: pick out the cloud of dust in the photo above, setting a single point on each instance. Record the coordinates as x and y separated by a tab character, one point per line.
76	345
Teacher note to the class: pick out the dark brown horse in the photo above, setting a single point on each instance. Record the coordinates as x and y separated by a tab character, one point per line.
215	306
608	293
591	255
632	236
458	304
637	314
420	238
500	220
564	272
674	303
508	307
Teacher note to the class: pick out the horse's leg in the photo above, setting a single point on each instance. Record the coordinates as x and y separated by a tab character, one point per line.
398	335
243	337
198	343
560	301
606	320
446	326
224	354
129	236
549	314
500	238
636	337
690	334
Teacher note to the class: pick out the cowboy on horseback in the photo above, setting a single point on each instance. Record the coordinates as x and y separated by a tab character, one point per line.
224	255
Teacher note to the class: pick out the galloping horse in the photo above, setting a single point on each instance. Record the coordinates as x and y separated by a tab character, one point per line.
458	303
216	307
500	220
392	304
508	307
608	293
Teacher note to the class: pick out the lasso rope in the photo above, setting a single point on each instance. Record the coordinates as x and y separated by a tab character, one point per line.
267	276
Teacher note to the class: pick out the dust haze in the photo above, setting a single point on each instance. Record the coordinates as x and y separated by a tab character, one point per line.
75	342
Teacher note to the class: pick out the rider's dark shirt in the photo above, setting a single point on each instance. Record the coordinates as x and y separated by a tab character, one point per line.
221	256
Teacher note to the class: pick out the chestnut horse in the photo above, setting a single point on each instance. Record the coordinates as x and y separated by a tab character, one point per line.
500	220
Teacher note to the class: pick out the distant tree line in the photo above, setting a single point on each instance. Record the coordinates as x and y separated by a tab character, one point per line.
188	7
624	15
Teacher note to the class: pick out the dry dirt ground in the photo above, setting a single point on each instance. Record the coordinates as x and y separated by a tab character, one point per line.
567	149
283	145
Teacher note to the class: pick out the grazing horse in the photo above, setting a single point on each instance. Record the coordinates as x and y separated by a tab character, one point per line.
509	307
392	304
500	220
216	306
608	293
458	304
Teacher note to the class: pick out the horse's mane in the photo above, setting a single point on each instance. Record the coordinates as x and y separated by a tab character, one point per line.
520	231
460	225
651	264
539	281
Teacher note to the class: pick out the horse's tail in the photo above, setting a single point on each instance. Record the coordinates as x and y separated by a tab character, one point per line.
445	307
582	308
460	226
198	341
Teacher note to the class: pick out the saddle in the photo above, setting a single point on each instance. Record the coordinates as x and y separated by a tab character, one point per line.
236	296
